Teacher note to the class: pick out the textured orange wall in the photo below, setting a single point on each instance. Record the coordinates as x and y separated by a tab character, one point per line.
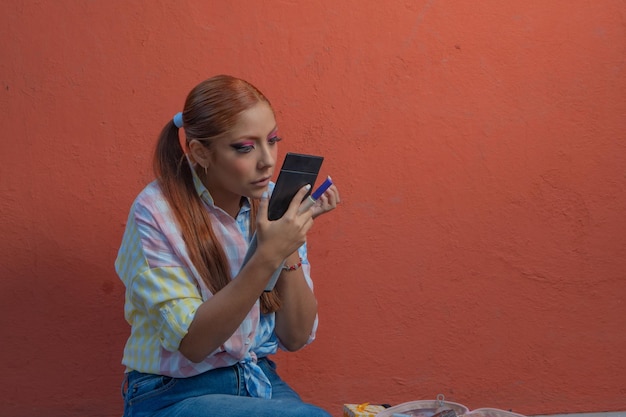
480	147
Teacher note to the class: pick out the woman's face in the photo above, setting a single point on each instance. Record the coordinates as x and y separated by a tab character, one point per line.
242	162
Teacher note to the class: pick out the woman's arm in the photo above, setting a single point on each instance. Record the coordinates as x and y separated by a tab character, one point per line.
217	318
296	317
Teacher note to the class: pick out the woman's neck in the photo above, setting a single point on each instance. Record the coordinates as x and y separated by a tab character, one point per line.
231	206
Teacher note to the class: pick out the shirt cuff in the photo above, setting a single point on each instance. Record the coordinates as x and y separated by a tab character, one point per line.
177	316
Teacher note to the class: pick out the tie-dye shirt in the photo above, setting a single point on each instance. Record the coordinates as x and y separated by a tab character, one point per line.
164	290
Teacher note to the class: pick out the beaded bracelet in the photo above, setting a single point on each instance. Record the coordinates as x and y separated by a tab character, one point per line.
293	267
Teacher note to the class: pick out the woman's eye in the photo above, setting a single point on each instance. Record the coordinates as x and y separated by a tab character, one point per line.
242	148
274	139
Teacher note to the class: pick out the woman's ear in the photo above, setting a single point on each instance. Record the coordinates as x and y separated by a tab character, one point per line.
200	153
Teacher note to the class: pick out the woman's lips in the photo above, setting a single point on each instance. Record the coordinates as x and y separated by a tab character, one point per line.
262	182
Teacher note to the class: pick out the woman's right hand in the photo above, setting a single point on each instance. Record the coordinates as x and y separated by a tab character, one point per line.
280	238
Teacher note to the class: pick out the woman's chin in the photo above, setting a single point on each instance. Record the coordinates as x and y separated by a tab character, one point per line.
256	194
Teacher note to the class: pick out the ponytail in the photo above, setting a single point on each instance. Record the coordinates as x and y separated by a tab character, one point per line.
176	180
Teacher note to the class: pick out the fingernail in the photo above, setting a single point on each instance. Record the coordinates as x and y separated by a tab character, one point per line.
308	186
264	195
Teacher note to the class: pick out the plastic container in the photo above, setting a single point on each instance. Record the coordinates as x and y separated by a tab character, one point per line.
424	408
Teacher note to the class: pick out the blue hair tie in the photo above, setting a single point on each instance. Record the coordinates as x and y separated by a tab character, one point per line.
178	120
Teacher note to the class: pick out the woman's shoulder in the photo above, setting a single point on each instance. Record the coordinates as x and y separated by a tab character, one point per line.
151	190
151	198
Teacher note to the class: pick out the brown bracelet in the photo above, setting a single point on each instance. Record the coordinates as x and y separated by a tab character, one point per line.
293	267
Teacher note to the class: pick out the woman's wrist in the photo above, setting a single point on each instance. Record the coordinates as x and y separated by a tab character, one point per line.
268	259
287	266
293	259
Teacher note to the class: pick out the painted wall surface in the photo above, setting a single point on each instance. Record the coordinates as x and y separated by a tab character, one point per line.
480	148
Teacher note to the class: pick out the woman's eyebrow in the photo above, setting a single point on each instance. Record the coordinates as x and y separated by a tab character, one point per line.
254	137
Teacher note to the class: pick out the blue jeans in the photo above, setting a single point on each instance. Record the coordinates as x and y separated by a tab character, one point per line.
217	393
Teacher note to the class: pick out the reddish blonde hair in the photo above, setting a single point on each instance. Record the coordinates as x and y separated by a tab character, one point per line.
211	109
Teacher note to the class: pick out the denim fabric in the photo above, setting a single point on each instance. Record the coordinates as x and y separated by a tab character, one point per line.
217	393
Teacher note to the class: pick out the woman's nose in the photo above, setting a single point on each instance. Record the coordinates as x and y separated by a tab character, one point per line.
267	158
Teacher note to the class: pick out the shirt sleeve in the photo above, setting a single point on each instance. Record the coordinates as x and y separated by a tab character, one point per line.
169	299
306	269
160	288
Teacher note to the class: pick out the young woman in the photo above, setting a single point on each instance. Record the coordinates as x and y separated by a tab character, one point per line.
202	326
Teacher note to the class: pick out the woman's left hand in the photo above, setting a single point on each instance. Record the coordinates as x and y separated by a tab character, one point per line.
327	202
